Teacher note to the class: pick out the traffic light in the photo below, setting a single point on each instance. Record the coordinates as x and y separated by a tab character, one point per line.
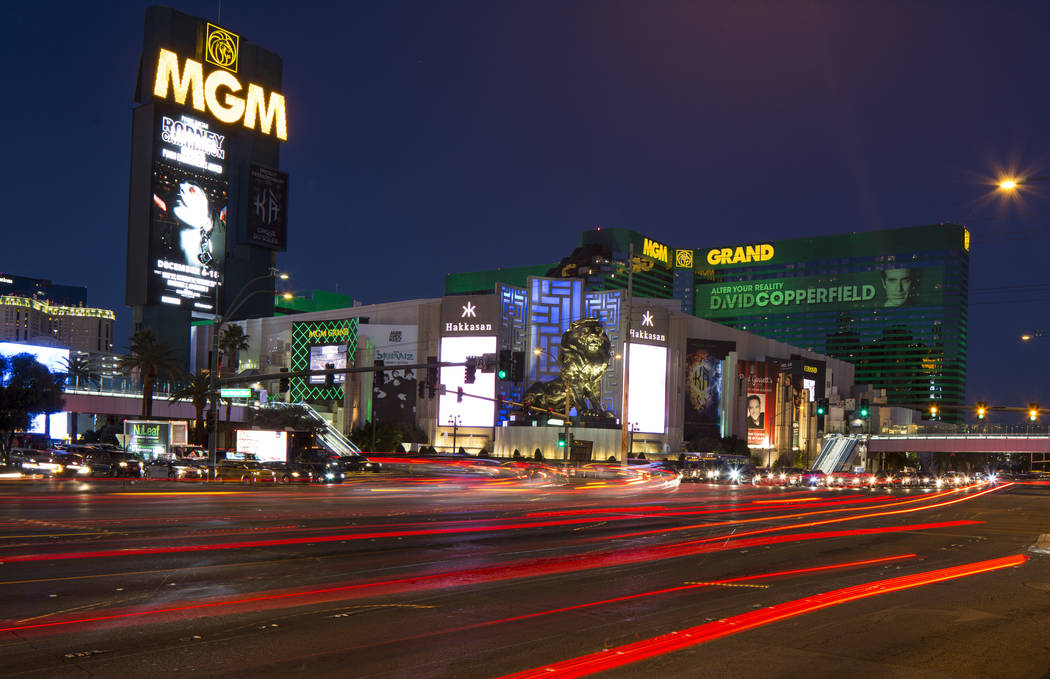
380	376
282	385
864	408
459	394
470	371
1033	411
432	376
505	368
422	389
982	410
822	407
561	439
933	412
517	366
329	379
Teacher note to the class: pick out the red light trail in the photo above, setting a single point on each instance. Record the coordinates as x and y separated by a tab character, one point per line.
648	648
496	573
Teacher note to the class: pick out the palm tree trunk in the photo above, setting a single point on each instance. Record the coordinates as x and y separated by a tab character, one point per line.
229	404
147	398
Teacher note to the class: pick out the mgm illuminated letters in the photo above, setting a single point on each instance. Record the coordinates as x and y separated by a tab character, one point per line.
217	94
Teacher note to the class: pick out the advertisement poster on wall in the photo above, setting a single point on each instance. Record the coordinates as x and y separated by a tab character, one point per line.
760	383
704	370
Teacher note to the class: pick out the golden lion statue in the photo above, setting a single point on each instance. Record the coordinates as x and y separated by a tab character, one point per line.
584	356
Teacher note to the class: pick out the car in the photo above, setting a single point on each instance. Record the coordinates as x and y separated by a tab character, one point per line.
739	473
355	462
111	461
813	478
324	465
49	463
290	472
175	468
952	479
235	471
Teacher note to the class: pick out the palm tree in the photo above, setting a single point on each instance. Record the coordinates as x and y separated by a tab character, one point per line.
232	341
151	358
197	391
78	369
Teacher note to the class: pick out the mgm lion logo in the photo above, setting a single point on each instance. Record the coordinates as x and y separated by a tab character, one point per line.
584	356
221	47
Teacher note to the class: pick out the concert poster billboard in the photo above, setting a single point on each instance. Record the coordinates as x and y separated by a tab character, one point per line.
760	385
188	213
704	367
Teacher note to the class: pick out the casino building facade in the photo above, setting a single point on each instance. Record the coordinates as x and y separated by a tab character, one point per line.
893	302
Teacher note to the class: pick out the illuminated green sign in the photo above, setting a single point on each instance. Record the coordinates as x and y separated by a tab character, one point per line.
235	393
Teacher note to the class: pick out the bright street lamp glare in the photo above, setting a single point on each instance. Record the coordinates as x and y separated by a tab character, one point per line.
1026	337
288	295
1008	184
283	277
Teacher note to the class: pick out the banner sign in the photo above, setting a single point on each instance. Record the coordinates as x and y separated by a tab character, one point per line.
760	384
704	370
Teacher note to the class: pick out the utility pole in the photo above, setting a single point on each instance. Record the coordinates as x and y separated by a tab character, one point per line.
626	364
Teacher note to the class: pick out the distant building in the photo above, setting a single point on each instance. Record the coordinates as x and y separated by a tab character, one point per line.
36	311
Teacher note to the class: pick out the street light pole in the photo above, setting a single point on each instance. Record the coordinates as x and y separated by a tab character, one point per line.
213	363
626	357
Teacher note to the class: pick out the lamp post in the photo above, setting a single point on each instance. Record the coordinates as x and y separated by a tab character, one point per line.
453	421
213	363
568	405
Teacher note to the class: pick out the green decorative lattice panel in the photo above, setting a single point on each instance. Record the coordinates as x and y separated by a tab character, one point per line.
314	334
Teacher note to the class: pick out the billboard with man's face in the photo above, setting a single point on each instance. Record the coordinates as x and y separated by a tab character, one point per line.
760	384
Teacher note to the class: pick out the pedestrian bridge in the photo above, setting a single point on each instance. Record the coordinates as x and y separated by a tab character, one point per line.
960	443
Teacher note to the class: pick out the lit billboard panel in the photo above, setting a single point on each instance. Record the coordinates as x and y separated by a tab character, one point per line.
472	412
188	213
323	354
266	446
647	396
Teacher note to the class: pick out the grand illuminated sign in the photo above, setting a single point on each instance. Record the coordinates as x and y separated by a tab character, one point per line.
216	94
740	255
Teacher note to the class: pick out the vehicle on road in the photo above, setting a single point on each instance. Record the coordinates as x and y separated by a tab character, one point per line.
813	478
175	468
237	471
737	474
355	462
112	462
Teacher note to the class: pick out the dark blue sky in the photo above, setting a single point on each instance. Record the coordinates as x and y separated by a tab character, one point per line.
433	137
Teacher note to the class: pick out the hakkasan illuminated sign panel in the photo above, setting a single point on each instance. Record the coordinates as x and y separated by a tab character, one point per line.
188	213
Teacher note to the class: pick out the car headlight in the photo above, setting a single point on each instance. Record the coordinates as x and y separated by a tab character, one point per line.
84	470
329	475
123	464
59	468
295	474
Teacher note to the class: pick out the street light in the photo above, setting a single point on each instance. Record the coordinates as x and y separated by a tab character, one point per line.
213	365
568	405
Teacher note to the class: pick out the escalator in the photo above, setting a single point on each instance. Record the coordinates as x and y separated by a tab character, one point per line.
837	454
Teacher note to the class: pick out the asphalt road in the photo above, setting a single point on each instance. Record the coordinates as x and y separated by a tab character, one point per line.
390	576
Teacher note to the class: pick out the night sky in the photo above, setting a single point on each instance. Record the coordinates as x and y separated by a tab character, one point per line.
448	136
